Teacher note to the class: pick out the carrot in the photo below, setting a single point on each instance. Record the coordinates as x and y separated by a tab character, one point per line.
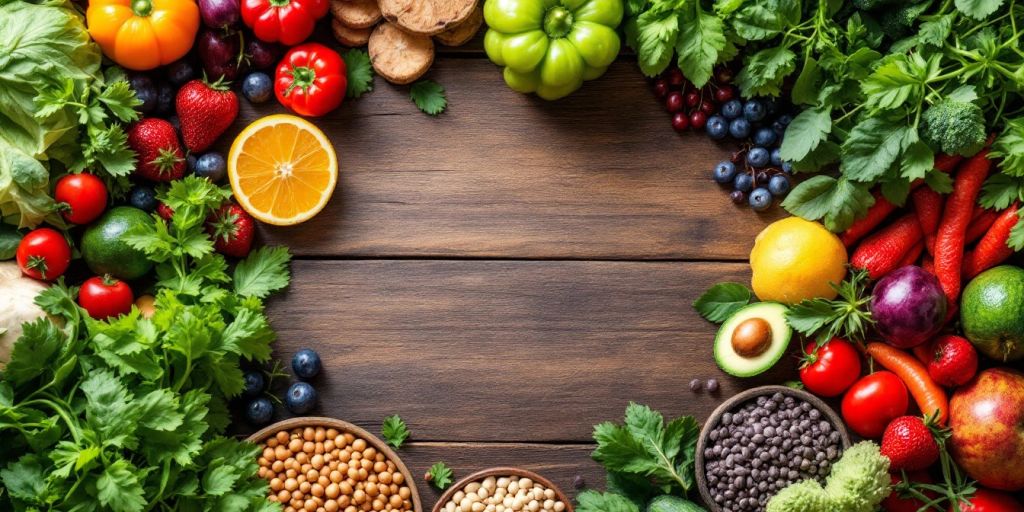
912	255
992	249
866	224
924	352
883	251
982	221
928	205
947	163
930	397
950	240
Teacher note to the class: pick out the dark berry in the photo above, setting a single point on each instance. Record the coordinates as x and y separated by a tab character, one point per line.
675	77
739	128
259	411
143	197
717	127
779	185
776	157
692	98
255	383
760	177
787	167
696	385
771	106
306	363
674	102
175	122
743	182
765	137
145	91
190	163
300	398
165	99
261	55
723	75
754	111
725	93
257	87
698	120
732	109
758	157
660	88
211	166
760	199
737	197
711	385
708	108
180	71
724	172
680	122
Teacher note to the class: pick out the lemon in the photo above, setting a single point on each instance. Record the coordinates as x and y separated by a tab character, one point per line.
794	259
282	169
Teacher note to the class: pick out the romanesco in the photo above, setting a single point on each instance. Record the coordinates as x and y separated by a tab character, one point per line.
859	480
955	127
803	496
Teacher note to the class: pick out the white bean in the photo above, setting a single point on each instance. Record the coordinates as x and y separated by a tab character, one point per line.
526	483
559	506
471	487
489	483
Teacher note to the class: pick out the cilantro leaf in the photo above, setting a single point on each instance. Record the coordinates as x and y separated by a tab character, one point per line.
25	479
359	72
120	99
429	97
838	201
899	80
978	9
917	161
847	316
656	39
808	129
120	488
593	501
1010	147
440	475
34	351
1001	190
1016	240
701	38
394	431
722	300
764	71
264	271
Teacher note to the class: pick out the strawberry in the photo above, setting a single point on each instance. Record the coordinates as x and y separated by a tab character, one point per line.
205	111
165	212
909	443
156	146
954	361
232	230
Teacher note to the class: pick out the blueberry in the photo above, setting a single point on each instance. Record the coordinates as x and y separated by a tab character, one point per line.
211	166
257	87
180	71
724	172
143	197
737	197
165	99
145	91
765	137
776	157
778	185
717	127
754	110
784	119
771	106
301	398
259	411
758	157
306	363
191	160
255	383
175	122
760	199
743	182
787	167
739	128
732	109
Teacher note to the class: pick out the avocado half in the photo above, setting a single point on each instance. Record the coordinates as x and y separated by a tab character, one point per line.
740	366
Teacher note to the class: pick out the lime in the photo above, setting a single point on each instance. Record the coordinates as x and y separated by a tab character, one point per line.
992	313
104	248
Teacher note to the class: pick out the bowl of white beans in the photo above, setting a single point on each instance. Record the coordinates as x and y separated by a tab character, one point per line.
504	490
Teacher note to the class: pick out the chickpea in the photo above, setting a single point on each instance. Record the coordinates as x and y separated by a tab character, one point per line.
305	468
297	495
277	466
379	467
291	473
351	509
366	464
282	453
291	484
345	455
282	437
332	433
404	493
332	491
331	506
323	480
295	445
371	489
396	501
346	488
349	439
372	478
304	487
359	497
312	475
356	455
362	474
398	478
357	444
317	461
309	447
302	457
310	506
318	448
262	471
384	477
276	484
329	445
353	473
284	496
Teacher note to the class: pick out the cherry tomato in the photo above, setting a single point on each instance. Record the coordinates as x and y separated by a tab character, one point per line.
44	254
104	297
831	369
874	401
985	500
85	196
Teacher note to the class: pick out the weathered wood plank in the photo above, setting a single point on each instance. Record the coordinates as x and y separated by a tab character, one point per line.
599	175
509	351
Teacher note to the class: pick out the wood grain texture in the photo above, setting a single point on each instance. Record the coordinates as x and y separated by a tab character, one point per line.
598	175
505	351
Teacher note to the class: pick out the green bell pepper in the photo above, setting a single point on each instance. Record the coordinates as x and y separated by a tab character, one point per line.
551	46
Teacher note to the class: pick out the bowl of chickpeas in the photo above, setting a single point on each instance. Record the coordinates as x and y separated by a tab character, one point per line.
326	465
504	489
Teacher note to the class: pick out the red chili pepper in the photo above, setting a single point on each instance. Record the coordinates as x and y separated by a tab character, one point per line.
980	224
992	249
928	264
928	205
947	163
885	250
912	255
866	224
951	237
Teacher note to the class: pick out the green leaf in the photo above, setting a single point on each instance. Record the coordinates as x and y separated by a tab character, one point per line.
440	475
837	201
1000	191
874	145
896	191
656	39
359	72
120	99
809	317
757	21
826	154
618	450
120	488
34	351
1010	147
939	181
701	38
917	160
935	31
593	501
112	152
808	129
25	479
220	479
764	71
978	9
805	89
1016	240
249	335
429	97
10	237
722	300
263	272
394	431
898	81
159	410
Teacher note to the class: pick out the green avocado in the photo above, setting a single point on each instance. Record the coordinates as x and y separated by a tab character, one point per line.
992	313
753	339
104	249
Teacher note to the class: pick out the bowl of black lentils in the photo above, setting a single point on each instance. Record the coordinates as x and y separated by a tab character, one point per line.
760	441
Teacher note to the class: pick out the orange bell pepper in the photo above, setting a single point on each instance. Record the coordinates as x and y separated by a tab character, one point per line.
143	34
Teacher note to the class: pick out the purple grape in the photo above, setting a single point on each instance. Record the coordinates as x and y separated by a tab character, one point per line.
220	54
261	54
219	14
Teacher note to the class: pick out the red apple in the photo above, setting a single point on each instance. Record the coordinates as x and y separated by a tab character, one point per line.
985	500
987	420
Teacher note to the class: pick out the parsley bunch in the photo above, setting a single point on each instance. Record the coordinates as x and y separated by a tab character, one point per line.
128	414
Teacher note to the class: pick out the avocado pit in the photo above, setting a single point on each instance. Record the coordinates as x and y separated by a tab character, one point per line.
752	337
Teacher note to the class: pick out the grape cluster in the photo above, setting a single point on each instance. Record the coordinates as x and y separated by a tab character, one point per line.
756	172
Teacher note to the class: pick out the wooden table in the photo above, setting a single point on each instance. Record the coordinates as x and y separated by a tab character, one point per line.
513	272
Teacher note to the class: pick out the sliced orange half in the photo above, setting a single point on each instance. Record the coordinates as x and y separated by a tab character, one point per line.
283	170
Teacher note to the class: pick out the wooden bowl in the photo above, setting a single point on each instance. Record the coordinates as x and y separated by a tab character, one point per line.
499	472
737	401
344	427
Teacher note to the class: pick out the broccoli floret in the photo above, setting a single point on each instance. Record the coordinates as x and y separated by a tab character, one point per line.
859	480
955	127
803	496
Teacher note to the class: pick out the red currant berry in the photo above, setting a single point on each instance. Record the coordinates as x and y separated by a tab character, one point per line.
724	94
708	108
680	122
660	88
698	120
674	102
676	78
692	98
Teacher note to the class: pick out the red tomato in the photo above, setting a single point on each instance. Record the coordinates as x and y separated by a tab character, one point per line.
85	196
104	297
873	402
985	500
311	80
831	369
44	254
